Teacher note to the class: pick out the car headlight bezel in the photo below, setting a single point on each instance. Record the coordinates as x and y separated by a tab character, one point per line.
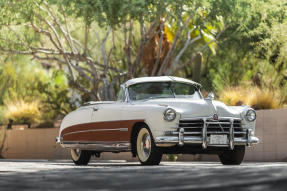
169	114
250	115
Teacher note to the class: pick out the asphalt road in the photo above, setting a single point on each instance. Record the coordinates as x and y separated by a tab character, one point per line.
117	175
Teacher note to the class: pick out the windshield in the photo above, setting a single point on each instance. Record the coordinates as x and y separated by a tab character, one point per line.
153	90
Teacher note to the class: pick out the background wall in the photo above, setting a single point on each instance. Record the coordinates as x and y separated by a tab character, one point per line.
271	129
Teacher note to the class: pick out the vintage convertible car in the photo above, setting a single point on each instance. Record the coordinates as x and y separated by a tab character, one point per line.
159	115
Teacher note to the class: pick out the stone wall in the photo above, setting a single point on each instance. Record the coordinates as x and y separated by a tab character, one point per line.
271	129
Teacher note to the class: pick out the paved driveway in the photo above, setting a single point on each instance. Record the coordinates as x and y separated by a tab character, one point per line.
117	175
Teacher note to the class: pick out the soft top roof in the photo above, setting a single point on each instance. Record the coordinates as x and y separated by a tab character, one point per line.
160	79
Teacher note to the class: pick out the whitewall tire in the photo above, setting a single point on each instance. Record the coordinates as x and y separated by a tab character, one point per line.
147	152
80	157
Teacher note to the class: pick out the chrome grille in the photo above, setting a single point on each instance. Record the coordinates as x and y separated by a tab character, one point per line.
193	127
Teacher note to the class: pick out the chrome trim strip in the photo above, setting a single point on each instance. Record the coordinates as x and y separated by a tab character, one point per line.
210	117
198	140
208	132
97	130
218	122
98	145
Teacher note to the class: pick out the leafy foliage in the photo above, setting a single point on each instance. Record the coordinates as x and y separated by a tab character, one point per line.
56	95
253	51
23	83
2	114
18	79
113	12
93	46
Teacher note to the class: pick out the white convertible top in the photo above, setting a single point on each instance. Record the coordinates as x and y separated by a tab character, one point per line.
160	79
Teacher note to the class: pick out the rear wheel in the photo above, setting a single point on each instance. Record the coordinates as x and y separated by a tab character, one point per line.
147	152
233	157
80	157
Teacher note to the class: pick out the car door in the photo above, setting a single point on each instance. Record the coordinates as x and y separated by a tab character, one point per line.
108	122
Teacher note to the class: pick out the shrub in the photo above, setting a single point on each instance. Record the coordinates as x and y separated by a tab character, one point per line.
262	99
171	157
23	112
254	97
2	115
233	95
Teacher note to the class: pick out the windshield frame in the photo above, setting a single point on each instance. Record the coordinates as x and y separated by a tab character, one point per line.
197	88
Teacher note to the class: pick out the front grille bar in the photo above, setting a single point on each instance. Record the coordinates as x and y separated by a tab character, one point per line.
203	127
204	135
231	135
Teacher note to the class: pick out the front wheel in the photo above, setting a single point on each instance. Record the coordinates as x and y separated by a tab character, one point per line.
147	151
233	157
80	157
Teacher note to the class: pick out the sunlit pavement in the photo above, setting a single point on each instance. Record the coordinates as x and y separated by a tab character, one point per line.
120	175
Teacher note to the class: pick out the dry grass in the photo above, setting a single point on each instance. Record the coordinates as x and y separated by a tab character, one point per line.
254	97
233	96
23	112
262	99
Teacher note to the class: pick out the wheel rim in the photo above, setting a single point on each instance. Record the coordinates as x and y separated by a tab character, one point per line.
75	153
143	145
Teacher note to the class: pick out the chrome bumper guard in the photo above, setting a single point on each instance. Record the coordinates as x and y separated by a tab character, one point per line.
181	139
58	140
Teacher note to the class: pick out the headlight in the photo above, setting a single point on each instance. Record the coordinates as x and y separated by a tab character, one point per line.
169	114
250	115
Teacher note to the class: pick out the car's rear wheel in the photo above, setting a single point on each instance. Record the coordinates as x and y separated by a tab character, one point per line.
147	152
80	157
233	157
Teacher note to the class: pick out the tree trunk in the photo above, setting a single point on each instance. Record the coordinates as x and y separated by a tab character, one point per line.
197	67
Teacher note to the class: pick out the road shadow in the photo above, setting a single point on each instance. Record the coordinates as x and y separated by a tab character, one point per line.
132	176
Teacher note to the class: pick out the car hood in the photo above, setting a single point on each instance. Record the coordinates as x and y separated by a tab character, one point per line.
198	107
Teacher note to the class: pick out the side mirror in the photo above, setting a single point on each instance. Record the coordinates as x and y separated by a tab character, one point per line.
210	96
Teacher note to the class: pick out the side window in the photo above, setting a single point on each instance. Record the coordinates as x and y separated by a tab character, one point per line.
121	95
183	89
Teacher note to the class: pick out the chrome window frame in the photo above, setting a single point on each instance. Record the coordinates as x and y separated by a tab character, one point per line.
129	100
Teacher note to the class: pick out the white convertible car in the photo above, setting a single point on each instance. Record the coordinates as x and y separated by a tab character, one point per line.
159	115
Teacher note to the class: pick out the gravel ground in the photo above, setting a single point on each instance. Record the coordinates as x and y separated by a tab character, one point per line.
120	175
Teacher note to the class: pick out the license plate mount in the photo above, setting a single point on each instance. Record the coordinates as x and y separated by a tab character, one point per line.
218	139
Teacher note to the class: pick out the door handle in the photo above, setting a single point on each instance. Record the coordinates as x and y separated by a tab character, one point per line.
95	108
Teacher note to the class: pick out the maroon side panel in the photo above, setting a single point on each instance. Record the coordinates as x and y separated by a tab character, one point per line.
77	132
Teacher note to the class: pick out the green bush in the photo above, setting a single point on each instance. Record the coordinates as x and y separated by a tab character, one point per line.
24	80
56	96
2	115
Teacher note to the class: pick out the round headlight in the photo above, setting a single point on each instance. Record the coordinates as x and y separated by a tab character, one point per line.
250	115
169	114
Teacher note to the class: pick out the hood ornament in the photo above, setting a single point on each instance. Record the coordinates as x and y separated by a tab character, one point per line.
215	117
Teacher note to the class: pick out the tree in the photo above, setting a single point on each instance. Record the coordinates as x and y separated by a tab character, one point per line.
102	43
252	51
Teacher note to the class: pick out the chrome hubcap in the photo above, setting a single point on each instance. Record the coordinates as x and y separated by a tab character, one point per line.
75	154
78	152
144	147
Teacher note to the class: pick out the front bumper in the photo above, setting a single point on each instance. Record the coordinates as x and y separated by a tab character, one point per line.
165	141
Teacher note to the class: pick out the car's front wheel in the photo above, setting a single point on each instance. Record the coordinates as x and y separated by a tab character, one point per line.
233	157
80	157
147	151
